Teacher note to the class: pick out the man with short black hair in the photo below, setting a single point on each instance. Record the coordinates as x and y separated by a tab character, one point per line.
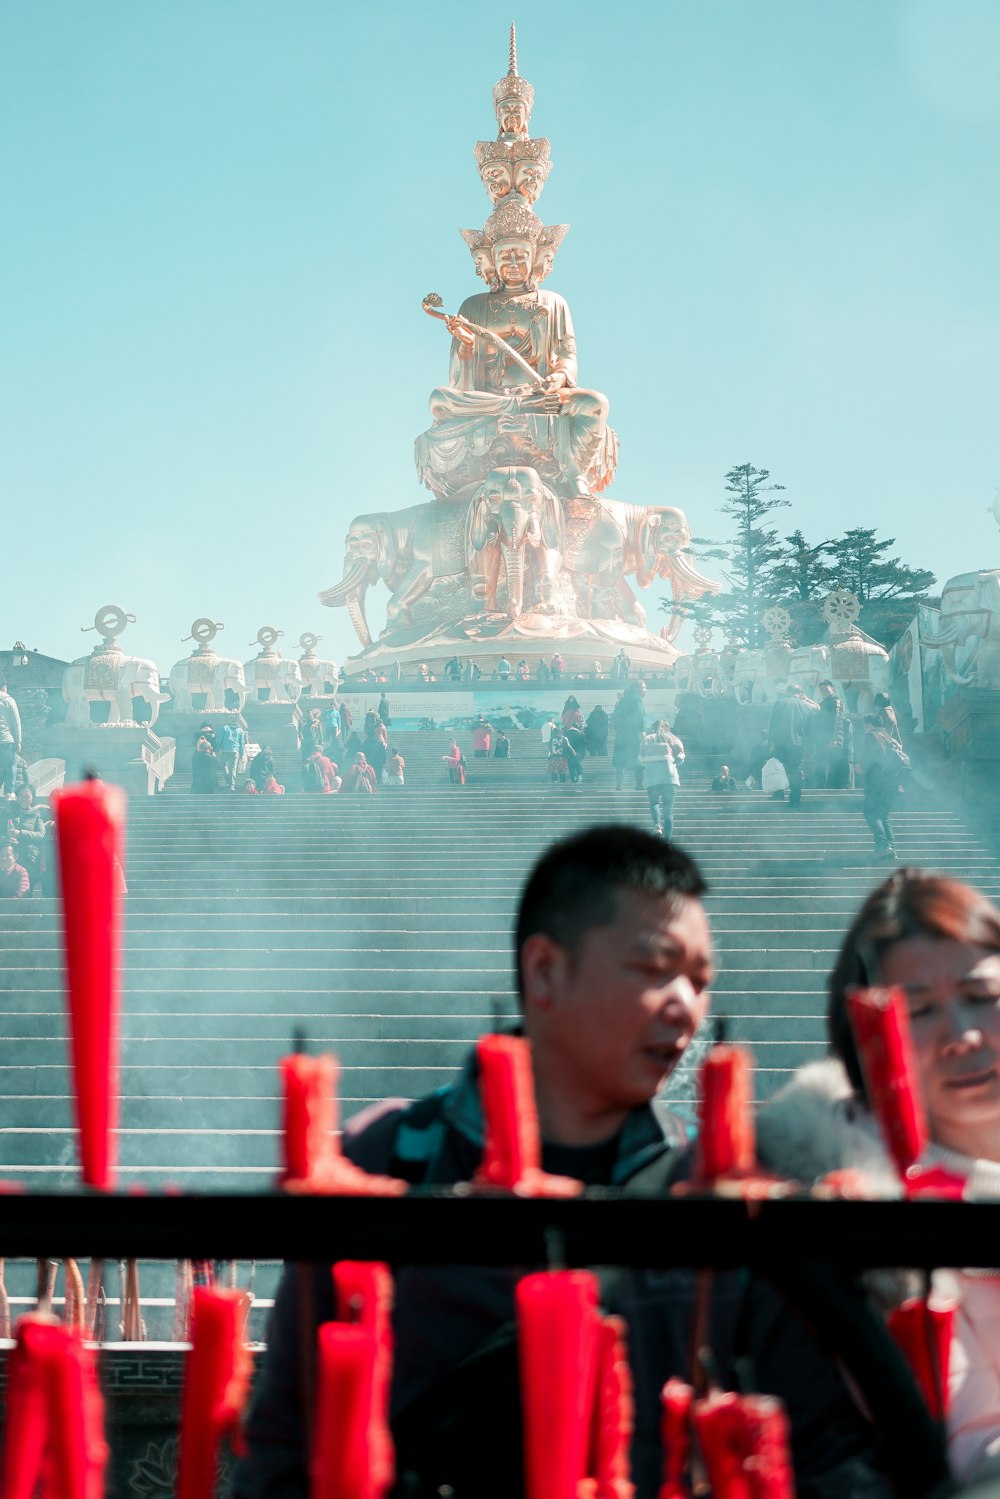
614	961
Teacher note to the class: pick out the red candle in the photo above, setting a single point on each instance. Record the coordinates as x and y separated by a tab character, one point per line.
216	1380
934	1181
717	1425
364	1296
726	1136
557	1333
313	1158
676	1399
348	1462
507	1090
310	1113
924	1332
613	1417
26	1419
90	832
512	1149
744	1443
881	1025
54	1431
766	1461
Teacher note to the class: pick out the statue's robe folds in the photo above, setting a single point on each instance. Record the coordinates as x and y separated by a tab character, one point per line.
486	415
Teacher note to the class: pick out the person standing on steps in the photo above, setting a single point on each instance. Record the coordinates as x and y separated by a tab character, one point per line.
882	763
789	732
10	740
383	710
629	723
204	768
831	737
232	747
661	753
886	715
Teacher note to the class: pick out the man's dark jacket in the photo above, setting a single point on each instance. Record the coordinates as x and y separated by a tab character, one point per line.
455	1404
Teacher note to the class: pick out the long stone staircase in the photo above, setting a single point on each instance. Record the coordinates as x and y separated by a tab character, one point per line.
380	927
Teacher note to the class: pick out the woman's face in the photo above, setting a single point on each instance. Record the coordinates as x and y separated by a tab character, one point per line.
953	995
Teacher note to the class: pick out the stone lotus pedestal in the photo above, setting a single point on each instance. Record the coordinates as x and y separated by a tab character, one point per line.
128	755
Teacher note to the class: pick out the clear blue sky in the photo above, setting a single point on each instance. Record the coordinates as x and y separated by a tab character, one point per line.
219	220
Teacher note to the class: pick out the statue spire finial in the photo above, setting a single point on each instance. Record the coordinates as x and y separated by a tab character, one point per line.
513	97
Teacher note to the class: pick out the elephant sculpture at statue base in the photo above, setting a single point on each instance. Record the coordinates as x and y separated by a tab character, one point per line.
969	633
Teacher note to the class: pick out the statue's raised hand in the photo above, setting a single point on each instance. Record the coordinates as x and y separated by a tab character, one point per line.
459	329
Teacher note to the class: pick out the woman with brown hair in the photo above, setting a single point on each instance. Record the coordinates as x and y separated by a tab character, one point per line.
939	941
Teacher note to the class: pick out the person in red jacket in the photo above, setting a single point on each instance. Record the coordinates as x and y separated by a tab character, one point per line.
360	776
14	882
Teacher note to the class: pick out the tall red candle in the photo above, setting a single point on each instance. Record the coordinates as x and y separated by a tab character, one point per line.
310	1113
767	1463
364	1296
54	1431
881	1024
676	1399
313	1158
744	1443
613	1417
718	1426
347	1462
26	1425
90	834
924	1331
726	1135
557	1332
512	1149
507	1089
216	1380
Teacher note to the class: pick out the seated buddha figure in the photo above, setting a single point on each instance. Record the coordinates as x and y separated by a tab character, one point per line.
492	412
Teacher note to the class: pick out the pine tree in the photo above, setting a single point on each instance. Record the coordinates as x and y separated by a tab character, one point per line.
749	557
799	581
889	590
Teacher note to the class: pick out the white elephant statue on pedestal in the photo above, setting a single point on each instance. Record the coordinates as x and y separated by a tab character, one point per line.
808	665
751	683
319	678
859	666
107	675
969	635
206	675
270	678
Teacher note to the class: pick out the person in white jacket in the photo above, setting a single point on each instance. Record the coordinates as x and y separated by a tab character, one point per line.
660	754
939	940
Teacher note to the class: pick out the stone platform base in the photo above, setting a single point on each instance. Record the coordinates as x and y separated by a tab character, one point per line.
532	638
273	725
126	755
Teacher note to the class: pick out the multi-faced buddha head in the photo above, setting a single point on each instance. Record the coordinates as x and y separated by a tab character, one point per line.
495	169
531	165
510	235
482	256
549	241
514	260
